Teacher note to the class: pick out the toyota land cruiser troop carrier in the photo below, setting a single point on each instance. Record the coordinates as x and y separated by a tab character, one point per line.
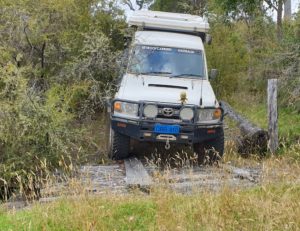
165	95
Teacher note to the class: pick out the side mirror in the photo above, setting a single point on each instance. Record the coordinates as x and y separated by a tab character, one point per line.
213	74
127	41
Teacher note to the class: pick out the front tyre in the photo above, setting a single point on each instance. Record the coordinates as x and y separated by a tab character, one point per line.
119	146
211	151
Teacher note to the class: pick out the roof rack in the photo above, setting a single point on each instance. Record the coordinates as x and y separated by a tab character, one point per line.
163	21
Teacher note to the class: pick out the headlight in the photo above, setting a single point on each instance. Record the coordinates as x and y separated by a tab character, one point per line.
124	109
210	115
187	113
150	111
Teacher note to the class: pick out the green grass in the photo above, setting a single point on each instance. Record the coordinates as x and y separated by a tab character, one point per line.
288	120
84	214
262	208
6	222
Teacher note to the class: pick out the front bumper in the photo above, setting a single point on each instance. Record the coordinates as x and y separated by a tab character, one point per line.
144	131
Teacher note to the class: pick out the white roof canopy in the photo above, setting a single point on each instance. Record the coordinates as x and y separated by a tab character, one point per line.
168	21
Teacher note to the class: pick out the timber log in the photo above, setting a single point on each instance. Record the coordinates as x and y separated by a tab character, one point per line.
253	139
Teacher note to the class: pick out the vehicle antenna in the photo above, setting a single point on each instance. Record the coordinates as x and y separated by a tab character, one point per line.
201	97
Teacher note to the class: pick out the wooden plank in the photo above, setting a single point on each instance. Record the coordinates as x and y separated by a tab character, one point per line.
136	174
273	115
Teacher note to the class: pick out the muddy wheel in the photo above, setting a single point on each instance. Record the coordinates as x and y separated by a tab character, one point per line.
119	146
210	152
135	147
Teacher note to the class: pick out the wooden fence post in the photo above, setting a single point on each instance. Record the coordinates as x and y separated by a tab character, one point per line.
273	115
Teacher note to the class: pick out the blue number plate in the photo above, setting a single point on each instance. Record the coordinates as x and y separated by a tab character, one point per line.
166	129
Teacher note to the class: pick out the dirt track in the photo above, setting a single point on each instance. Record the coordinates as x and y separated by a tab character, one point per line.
110	179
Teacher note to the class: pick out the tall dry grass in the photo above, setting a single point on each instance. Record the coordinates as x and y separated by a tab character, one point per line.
273	204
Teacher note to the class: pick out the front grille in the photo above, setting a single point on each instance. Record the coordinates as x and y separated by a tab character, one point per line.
167	117
163	117
163	112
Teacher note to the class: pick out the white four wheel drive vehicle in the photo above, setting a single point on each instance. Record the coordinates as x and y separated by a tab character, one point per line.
165	95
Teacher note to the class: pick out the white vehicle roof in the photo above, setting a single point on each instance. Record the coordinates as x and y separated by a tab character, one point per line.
166	39
168	21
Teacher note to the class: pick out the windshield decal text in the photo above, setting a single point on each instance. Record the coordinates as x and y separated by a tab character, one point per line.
156	48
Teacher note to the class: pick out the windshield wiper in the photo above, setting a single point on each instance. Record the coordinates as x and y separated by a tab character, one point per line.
188	75
156	73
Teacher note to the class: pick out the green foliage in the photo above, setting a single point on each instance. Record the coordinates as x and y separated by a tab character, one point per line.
238	8
49	34
34	135
165	5
229	55
198	7
57	65
92	73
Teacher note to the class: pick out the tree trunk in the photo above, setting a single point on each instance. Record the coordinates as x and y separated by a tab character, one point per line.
273	115
287	9
279	19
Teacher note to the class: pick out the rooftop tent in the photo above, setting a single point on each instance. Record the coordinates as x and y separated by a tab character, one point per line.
155	20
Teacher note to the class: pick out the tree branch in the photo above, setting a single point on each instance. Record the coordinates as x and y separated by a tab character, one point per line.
27	38
140	3
129	4
43	55
271	5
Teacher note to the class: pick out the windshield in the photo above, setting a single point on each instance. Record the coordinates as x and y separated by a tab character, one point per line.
173	62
